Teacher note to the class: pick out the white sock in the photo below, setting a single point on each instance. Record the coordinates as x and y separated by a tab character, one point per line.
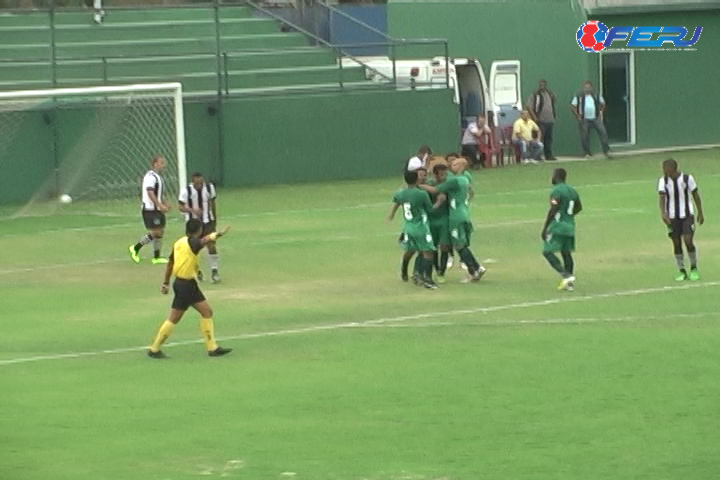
157	245
214	257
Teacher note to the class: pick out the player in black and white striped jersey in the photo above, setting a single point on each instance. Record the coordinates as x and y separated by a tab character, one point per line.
676	207
197	200
153	212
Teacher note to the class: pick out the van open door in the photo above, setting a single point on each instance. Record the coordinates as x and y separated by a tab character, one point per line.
505	91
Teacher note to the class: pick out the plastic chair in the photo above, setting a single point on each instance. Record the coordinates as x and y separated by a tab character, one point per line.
488	147
507	146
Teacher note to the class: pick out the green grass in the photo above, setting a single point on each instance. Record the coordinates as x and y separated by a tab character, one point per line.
508	379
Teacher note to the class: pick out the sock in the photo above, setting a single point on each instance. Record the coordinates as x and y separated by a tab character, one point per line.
214	257
157	245
555	263
404	267
208	332
436	260
569	262
162	335
451	252
428	270
443	263
692	255
469	259
143	241
680	261
418	267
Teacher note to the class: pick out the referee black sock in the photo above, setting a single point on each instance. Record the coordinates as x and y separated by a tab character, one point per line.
147	238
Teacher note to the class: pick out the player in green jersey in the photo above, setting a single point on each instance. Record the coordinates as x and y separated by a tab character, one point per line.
440	224
450	158
558	233
416	206
456	187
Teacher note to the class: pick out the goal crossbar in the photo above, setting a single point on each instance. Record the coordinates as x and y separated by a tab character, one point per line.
175	88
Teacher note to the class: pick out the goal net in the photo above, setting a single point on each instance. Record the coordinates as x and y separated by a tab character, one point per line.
85	150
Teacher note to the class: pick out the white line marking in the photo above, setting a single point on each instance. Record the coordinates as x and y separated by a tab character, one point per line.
379	321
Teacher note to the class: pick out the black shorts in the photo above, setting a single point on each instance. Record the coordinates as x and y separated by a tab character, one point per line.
153	219
187	294
208	228
680	227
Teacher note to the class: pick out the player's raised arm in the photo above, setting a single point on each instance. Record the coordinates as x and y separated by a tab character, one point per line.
213	237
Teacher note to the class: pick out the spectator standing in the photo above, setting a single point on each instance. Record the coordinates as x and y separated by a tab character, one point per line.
528	137
541	105
589	108
476	132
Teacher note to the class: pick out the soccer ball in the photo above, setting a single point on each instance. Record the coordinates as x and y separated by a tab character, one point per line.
65	198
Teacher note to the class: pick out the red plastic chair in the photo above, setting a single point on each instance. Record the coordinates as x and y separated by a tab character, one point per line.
507	146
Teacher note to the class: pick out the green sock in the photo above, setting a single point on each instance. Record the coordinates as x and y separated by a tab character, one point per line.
555	263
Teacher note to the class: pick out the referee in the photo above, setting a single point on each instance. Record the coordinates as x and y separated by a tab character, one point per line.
676	207
183	265
153	212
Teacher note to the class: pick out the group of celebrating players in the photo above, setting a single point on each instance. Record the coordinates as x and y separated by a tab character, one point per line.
436	220
436	223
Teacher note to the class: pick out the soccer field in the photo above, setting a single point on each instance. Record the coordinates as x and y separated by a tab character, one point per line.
341	371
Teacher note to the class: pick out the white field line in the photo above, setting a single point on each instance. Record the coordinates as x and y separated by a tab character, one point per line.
382	321
544	321
334	209
287	241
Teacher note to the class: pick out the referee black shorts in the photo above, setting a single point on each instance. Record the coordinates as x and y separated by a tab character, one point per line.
153	219
681	227
187	294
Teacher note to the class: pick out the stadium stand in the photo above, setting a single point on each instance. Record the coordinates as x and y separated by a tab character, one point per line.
156	44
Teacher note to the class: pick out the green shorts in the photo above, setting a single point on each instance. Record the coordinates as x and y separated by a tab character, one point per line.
418	243
559	243
440	233
460	234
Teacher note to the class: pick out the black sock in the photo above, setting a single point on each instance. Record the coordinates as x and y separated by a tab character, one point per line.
418	267
692	255
451	252
428	268
157	254
469	259
404	267
555	263
436	260
144	240
569	262
443	263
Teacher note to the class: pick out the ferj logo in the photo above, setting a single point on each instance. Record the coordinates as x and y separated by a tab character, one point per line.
595	36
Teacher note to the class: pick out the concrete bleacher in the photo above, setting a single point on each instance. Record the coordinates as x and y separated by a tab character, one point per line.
161	45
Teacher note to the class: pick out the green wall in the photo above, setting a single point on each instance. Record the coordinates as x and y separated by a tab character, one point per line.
675	97
540	34
333	136
265	140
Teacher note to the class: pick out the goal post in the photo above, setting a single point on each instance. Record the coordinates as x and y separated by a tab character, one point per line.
93	144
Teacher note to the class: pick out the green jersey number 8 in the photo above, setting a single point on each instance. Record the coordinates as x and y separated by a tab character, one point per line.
407	212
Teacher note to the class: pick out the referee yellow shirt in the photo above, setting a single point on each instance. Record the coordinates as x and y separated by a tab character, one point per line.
184	256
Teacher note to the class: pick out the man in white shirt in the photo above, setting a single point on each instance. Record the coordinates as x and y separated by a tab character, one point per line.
198	201
153	212
419	160
476	132
589	109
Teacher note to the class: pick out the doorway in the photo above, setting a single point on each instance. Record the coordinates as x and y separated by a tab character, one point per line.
617	78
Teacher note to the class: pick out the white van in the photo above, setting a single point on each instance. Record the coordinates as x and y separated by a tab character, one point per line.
500	98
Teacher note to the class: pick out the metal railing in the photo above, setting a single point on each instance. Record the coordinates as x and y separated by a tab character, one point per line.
223	65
